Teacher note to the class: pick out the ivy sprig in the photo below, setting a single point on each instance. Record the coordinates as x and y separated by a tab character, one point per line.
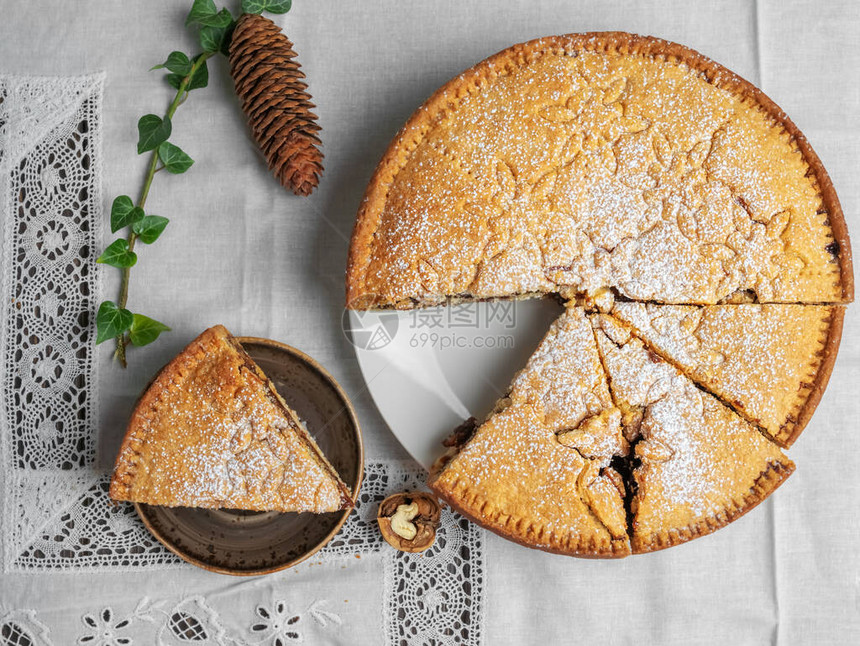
114	320
184	74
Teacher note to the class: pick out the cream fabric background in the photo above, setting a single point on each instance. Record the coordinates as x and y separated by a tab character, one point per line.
243	252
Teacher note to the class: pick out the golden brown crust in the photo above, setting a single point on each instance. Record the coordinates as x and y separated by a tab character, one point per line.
128	458
835	216
211	431
347	501
764	364
822	377
775	474
698	464
367	274
556	431
512	530
502	63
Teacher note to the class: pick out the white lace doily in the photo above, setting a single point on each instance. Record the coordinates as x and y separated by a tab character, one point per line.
50	157
430	598
56	515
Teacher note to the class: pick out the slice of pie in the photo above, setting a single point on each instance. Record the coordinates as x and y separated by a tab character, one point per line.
212	431
697	465
770	363
538	470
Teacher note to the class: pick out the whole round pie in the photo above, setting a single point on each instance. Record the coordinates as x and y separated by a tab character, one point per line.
702	256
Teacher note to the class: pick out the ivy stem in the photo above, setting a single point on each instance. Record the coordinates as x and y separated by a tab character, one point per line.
122	340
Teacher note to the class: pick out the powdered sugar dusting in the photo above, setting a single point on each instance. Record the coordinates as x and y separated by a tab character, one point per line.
761	359
515	471
699	460
563	380
216	438
601	170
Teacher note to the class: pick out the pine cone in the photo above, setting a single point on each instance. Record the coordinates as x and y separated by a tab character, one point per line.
276	102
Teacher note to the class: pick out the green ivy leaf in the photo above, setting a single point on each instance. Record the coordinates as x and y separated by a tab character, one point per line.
221	19
123	212
118	255
212	38
174	80
200	78
145	330
177	62
175	159
201	10
111	321
272	6
152	132
149	228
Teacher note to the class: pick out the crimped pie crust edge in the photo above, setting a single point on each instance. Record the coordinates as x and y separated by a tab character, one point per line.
448	95
127	459
788	434
828	348
513	531
768	482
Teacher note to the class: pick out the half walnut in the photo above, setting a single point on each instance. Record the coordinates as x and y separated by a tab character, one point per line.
408	521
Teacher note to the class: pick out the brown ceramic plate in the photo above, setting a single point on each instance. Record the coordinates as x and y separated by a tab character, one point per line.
248	543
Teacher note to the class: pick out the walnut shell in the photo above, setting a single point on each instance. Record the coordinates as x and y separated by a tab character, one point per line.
396	515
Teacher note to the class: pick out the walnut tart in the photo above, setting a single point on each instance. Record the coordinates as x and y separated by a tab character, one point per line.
702	254
212	431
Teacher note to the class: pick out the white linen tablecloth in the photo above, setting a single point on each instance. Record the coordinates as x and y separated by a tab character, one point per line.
243	252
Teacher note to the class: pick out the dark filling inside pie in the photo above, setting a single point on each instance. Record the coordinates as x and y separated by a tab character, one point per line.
454	443
625	466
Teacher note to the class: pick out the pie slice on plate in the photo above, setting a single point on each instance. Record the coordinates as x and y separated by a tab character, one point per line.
212	431
697	465
770	363
538	470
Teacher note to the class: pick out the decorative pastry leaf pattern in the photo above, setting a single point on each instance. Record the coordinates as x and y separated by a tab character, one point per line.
507	213
676	187
654	450
598	118
677	192
685	332
599	172
598	491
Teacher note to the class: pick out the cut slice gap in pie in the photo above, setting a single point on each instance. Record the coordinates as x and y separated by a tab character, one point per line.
538	471
770	363
212	431
696	465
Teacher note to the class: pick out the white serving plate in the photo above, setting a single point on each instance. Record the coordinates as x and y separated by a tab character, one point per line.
428	370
